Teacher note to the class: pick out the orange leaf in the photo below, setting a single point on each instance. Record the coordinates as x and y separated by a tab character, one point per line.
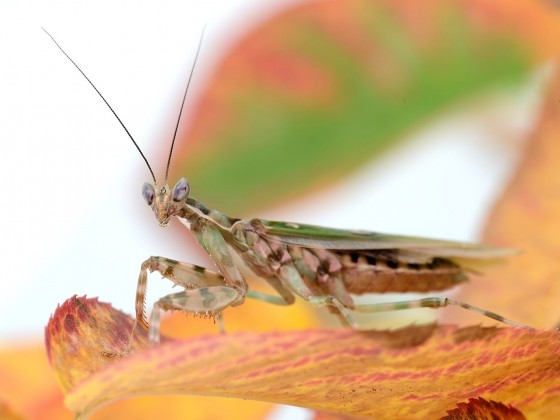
6	412
527	216
27	383
422	371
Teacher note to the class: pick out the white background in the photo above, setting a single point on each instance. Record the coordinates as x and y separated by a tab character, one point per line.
72	217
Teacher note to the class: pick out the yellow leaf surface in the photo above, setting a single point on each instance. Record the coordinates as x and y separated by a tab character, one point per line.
420	371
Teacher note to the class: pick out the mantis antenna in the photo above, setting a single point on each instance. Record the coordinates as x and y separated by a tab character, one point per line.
117	117
183	103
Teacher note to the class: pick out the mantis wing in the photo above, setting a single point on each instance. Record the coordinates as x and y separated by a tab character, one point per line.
311	236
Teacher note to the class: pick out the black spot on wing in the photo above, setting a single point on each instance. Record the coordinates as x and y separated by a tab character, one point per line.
371	260
199	269
393	264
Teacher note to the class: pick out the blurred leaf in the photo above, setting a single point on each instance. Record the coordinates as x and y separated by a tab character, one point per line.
323	415
527	216
431	368
6	412
27	384
479	408
313	93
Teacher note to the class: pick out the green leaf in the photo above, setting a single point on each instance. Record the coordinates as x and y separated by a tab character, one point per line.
308	97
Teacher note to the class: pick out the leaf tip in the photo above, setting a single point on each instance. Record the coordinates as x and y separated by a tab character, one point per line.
83	335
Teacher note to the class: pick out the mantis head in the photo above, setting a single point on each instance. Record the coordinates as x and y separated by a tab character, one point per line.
166	203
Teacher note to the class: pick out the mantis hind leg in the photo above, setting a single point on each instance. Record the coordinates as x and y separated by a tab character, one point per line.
432	302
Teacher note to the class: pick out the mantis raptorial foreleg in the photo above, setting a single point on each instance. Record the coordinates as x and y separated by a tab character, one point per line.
189	276
208	292
206	302
209	301
431	302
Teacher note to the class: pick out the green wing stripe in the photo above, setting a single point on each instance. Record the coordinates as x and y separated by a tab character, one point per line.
310	236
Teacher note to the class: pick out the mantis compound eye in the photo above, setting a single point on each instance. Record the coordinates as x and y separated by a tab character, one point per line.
180	190
148	193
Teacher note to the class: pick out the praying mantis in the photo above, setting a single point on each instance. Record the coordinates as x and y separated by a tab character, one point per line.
324	266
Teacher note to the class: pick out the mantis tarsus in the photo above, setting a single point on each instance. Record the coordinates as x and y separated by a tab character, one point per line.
321	265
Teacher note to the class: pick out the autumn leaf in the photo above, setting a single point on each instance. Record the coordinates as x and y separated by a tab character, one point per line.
420	371
73	339
320	89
